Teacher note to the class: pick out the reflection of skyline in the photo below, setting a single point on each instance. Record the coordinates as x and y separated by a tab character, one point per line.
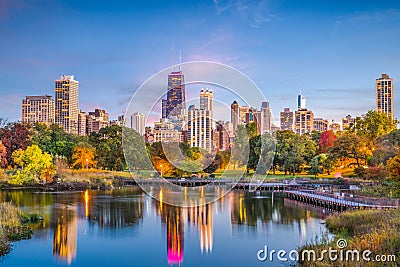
65	234
104	212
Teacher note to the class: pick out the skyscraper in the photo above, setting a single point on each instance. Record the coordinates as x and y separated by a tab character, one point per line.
138	122
82	123
265	117
38	109
287	120
175	103
66	103
348	122
301	102
234	115
303	118
200	124
384	95
206	99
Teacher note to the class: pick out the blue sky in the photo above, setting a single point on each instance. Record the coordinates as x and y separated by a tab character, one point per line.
332	50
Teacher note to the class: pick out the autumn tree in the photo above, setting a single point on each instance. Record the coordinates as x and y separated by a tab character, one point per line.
14	136
326	141
36	166
83	156
393	168
3	155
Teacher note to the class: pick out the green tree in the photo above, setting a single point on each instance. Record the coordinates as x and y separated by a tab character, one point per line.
109	151
241	148
348	146
36	165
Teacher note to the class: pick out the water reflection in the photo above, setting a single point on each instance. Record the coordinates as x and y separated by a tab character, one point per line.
65	233
70	216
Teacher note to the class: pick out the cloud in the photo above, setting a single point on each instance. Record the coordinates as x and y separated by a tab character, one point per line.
256	13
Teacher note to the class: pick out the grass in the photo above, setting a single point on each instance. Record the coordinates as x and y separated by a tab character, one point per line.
374	230
13	226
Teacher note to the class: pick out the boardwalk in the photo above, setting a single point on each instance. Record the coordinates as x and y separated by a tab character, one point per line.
339	202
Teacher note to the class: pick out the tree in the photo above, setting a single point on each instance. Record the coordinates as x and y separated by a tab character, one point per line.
3	155
318	164
83	156
326	141
240	150
373	125
36	166
348	146
109	151
14	136
393	168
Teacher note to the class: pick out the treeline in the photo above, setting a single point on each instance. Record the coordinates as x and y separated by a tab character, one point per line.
33	153
369	147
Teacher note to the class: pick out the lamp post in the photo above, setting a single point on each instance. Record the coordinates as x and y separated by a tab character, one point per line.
87	162
161	169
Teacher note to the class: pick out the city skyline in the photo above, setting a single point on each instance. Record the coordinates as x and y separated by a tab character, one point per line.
283	47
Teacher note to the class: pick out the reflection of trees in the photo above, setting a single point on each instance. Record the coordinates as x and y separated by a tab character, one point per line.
119	209
249	208
65	233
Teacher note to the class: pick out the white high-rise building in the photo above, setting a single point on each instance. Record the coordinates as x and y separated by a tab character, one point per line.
138	122
66	103
200	123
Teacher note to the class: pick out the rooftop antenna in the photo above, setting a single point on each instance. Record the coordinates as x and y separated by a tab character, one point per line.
180	60
172	66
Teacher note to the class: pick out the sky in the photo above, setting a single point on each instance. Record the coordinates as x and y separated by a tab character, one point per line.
330	50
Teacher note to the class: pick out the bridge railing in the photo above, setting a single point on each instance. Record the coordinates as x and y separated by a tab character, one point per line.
343	197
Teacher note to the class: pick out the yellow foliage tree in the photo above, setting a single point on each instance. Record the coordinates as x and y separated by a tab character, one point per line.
83	156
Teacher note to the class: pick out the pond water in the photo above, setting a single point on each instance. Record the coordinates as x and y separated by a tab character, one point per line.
125	227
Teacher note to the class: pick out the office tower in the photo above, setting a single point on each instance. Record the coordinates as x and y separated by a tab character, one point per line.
301	102
253	115
265	117
38	109
222	135
287	119
66	103
96	120
175	106
303	118
82	123
122	120
234	115
206	99
334	126
348	122
304	121
243	110
320	124
384	95
138	122
200	125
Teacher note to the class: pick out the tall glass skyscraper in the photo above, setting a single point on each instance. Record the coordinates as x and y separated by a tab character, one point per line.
175	104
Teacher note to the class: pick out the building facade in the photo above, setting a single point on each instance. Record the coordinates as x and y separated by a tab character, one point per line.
235	115
38	109
304	121
384	95
82	123
138	122
348	122
96	120
265	117
66	103
320	124
287	119
175	105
